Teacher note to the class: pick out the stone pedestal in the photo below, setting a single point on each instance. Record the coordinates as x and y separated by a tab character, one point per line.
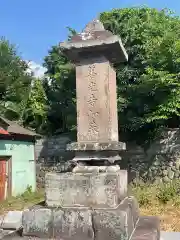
87	223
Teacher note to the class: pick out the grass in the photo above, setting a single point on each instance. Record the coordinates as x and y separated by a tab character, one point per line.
160	200
23	201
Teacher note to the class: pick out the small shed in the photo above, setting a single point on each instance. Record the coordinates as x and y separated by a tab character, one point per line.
17	159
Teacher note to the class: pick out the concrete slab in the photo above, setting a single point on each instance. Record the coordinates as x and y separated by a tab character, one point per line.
170	236
9	234
12	220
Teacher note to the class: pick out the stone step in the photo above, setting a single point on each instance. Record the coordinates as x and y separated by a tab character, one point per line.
148	228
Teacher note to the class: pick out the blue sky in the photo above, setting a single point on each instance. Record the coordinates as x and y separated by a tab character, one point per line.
34	26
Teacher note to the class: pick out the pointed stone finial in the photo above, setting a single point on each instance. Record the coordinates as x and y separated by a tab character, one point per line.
93	30
93	26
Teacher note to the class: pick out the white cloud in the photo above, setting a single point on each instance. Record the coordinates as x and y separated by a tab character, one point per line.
36	69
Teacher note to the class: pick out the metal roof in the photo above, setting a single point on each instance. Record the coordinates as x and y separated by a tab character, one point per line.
14	128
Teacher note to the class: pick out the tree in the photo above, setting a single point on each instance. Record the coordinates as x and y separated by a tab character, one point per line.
148	85
35	113
60	90
15	82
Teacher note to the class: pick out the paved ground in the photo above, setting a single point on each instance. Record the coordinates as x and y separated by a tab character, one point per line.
170	235
164	236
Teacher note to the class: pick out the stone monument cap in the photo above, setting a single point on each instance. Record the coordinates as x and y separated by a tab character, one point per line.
93	42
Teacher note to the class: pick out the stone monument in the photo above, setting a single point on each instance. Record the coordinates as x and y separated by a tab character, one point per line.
91	202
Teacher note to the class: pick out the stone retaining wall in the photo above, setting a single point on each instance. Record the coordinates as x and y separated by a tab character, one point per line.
160	162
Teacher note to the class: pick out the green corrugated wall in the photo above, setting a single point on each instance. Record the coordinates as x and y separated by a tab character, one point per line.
23	164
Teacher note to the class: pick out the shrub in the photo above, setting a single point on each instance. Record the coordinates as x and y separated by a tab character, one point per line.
167	192
143	193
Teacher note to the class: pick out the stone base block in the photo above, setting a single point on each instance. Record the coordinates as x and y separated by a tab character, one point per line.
83	223
67	224
116	223
73	224
148	228
97	190
37	223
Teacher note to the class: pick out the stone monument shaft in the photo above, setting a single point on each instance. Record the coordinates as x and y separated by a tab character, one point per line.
96	101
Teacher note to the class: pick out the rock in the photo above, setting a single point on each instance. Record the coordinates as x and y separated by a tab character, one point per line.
157	160
163	167
166	179
153	168
170	164
170	174
155	172
173	168
12	220
158	180
165	172
176	175
177	165
149	175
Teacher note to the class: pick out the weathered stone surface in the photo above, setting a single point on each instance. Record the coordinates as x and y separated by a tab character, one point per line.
90	189
166	179
94	41
96	169
12	220
87	169
37	223
170	174
98	158
116	223
112	146
8	234
73	224
134	206
97	120
165	172
1	220
148	228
